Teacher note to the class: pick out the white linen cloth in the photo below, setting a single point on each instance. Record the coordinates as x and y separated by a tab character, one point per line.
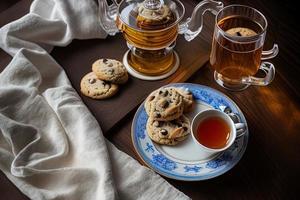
51	147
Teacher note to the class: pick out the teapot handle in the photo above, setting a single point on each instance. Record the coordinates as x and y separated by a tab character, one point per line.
192	26
107	16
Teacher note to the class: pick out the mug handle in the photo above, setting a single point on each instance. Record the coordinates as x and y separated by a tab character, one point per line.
267	67
240	129
272	53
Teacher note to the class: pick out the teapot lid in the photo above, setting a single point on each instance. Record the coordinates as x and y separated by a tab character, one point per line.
151	14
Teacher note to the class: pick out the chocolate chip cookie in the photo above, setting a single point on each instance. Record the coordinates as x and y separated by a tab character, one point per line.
110	70
95	88
188	99
148	102
168	132
166	105
241	32
154	19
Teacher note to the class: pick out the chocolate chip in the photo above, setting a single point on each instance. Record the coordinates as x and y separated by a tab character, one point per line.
111	71
158	115
238	33
105	60
166	93
151	98
163	92
92	80
185	128
110	65
165	104
163	132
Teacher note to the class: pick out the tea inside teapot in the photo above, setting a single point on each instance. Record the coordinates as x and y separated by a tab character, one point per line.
149	24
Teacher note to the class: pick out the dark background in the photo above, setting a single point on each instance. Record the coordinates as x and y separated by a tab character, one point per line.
270	167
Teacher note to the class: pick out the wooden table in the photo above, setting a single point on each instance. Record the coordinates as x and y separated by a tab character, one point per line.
270	166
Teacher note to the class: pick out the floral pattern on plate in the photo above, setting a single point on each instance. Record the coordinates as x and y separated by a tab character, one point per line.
187	171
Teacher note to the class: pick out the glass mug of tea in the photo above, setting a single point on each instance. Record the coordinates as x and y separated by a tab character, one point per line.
237	48
214	131
150	28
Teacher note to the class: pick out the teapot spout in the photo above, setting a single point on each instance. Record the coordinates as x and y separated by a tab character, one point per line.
192	26
107	16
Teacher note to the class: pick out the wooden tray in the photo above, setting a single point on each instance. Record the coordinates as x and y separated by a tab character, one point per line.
77	59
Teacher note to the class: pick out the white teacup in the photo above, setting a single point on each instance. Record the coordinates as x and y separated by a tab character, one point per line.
235	129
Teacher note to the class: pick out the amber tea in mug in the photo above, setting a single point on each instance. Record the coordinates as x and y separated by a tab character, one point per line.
236	60
237	48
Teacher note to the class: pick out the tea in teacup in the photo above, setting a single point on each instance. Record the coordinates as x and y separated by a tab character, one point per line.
213	132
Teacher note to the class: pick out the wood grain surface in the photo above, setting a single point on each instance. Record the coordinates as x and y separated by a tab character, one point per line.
270	166
85	52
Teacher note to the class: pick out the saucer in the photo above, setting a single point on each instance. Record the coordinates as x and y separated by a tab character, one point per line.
185	161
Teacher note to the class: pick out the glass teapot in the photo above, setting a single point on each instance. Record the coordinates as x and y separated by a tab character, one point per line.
150	28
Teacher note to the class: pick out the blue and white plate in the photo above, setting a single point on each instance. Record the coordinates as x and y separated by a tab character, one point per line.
186	161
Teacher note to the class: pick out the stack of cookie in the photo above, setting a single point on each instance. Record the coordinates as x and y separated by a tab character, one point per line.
103	81
165	107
